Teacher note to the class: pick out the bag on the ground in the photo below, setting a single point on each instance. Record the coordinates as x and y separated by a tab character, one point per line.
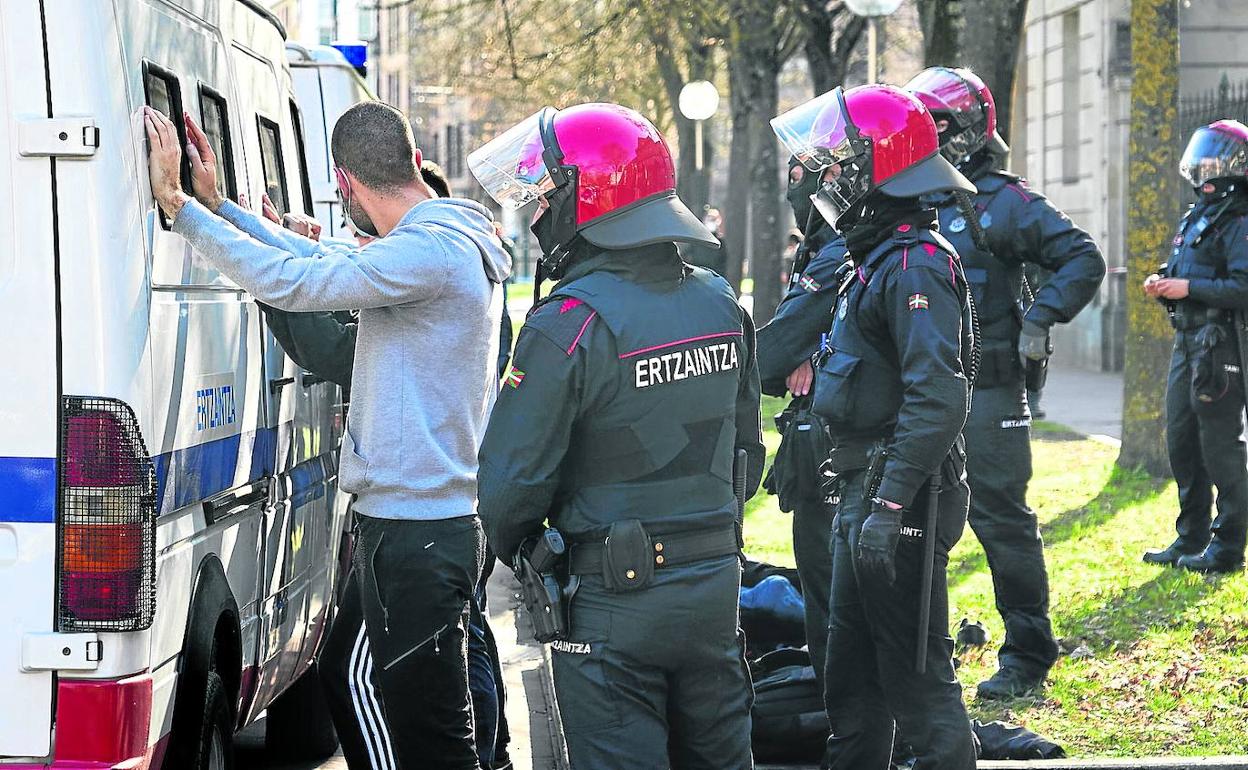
789	720
1001	740
804	445
772	608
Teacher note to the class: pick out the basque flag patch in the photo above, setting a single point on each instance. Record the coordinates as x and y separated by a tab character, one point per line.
918	302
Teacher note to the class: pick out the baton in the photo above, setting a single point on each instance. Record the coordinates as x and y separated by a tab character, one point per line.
929	567
739	463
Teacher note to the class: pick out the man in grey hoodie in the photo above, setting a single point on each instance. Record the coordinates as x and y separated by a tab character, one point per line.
430	302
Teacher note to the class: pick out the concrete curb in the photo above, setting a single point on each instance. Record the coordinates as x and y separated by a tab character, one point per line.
555	719
1150	763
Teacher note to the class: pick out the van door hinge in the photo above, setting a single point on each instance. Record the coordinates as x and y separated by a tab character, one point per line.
58	137
61	652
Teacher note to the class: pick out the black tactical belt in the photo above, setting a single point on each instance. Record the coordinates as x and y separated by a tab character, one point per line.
852	457
669	550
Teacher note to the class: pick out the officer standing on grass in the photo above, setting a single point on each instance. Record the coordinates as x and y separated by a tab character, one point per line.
785	348
1204	287
631	388
1009	227
892	382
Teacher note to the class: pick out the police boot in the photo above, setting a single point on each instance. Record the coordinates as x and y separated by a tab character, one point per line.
1216	558
1170	555
1008	682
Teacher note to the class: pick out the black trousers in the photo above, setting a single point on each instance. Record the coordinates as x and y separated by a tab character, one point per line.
1205	440
998	468
395	663
871	684
812	546
656	678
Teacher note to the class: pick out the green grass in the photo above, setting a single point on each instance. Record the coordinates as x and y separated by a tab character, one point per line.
1154	661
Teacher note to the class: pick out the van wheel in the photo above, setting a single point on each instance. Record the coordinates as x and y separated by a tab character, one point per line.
299	724
216	734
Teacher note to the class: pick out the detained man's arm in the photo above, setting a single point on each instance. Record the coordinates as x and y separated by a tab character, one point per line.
390	271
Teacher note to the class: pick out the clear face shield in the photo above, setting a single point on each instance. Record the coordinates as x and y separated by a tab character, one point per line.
825	141
511	167
1213	154
950	97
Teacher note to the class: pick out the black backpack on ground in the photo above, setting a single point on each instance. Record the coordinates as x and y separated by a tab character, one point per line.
790	724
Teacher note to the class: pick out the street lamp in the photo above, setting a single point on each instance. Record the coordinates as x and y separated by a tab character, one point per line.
698	101
872	9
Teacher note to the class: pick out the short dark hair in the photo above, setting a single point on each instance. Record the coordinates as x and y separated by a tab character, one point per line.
435	177
374	142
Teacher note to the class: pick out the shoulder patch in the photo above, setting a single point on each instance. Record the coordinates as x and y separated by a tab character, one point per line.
563	320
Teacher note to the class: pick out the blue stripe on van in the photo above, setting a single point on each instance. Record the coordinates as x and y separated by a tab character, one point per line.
201	471
28	489
307	481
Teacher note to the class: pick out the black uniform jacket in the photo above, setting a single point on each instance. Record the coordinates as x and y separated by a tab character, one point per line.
893	368
630	387
1022	226
793	335
1211	252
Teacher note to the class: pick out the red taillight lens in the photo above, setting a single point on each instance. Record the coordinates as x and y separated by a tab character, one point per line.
107	519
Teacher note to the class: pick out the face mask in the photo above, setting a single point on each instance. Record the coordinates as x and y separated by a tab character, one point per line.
543	230
798	195
353	214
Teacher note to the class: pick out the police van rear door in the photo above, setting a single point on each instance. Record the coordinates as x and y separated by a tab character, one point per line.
29	380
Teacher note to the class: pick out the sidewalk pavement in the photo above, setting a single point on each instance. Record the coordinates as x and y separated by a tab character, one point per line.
1084	400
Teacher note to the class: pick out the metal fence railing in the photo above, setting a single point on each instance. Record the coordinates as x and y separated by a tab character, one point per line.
1225	101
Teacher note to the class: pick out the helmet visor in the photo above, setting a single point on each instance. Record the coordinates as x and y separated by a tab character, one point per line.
817	132
1212	154
510	167
943	90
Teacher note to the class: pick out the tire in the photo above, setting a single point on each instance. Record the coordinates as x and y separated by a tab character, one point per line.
216	734
299	724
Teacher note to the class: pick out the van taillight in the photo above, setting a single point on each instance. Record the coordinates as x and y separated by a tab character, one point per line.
107	519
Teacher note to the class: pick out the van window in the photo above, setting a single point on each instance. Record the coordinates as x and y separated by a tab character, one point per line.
296	120
216	120
271	158
163	93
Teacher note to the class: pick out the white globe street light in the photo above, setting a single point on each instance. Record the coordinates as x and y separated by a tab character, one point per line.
872	9
698	101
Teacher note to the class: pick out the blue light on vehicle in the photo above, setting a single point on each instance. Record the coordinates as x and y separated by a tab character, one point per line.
355	51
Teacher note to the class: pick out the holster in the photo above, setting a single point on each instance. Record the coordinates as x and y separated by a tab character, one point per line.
544	599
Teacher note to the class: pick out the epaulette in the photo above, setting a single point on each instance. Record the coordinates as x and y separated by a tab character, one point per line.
562	320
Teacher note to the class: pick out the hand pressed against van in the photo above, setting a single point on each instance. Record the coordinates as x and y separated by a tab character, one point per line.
203	166
164	162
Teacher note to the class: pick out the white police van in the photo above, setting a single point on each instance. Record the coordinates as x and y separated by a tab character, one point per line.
326	86
170	524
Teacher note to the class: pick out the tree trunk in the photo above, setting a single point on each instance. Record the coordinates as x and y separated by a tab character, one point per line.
827	48
736	212
1153	211
765	196
692	184
938	18
989	47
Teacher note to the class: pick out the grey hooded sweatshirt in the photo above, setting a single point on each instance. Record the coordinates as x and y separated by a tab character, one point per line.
430	302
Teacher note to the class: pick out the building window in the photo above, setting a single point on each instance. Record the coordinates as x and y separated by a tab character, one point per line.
1070	96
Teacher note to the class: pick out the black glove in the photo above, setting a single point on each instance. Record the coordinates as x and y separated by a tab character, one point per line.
877	543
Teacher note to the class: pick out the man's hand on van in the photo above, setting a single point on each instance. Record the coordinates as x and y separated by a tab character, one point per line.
203	165
164	162
300	224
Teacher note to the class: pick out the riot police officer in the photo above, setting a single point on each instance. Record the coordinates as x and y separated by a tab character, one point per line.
1205	288
892	382
785	348
999	231
632	388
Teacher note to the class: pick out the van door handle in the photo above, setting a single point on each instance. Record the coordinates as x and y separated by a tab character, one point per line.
279	383
309	379
216	509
